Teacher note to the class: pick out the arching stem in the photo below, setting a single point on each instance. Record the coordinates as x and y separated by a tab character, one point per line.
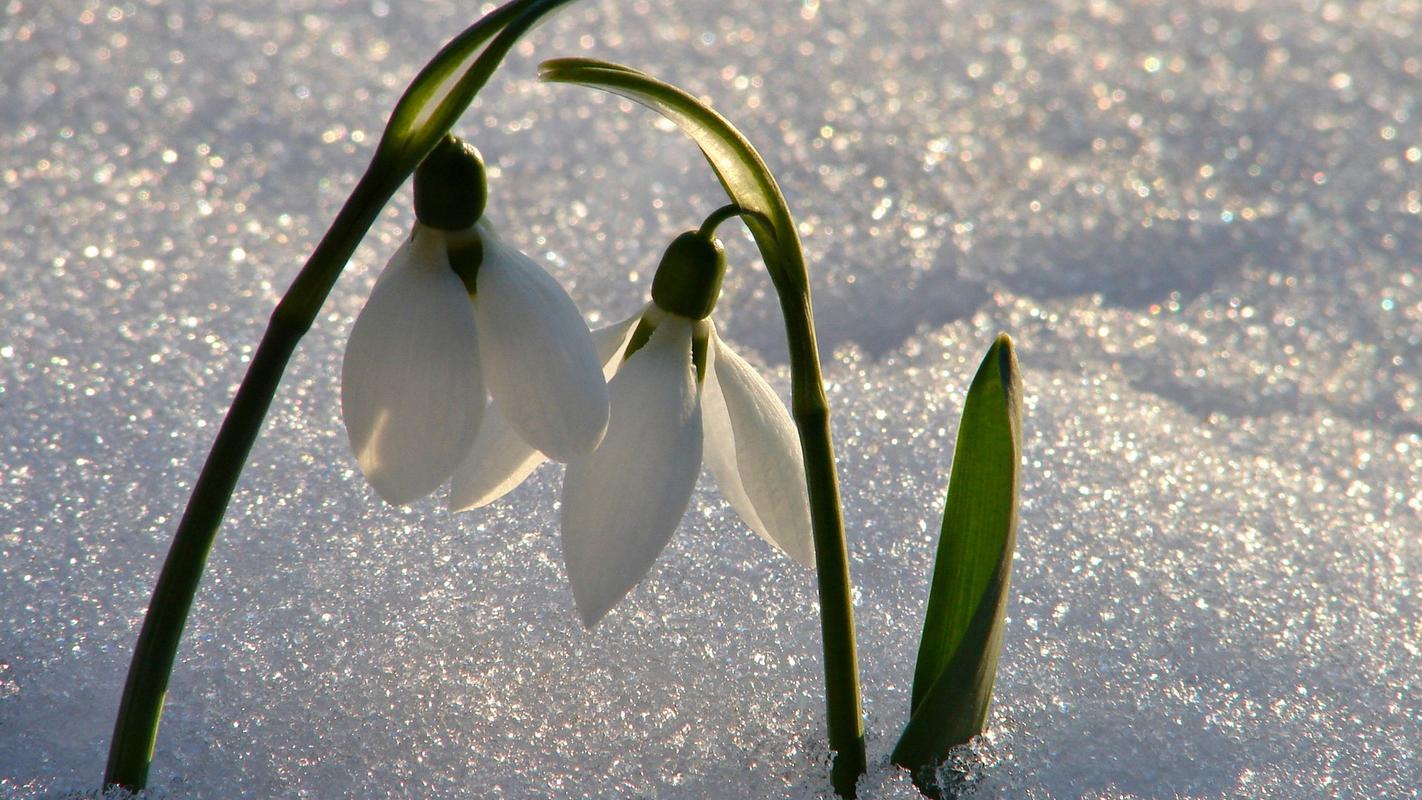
441	92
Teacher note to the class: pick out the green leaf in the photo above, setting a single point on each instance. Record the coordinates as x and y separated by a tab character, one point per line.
740	168
962	630
448	83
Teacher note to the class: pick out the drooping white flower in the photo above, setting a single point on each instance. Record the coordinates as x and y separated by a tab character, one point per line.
424	350
682	396
623	501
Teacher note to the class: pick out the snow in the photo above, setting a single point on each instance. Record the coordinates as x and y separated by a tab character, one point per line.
1200	222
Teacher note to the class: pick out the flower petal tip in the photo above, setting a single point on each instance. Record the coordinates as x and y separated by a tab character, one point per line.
497	463
590	616
394	493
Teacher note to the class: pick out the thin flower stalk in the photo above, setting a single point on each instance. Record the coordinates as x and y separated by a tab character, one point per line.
749	183
423	116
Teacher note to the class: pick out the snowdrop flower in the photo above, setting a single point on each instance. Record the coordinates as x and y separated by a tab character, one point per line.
679	394
456	313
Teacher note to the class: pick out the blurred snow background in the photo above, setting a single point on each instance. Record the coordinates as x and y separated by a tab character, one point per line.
1201	221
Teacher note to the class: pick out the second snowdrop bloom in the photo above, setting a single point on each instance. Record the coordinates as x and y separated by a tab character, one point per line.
458	316
679	396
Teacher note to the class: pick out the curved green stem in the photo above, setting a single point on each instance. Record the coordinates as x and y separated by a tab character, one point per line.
749	184
715	218
141	706
425	113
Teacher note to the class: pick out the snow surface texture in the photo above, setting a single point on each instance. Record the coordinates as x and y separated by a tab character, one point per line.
1200	221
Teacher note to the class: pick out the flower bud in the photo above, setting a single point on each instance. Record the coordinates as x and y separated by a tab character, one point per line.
451	188
688	280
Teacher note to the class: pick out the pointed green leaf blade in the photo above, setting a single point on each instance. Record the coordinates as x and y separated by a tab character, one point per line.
962	632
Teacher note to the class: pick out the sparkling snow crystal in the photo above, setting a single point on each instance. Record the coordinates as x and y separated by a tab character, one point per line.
1200	221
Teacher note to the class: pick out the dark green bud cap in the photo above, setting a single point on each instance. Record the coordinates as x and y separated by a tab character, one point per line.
688	281
451	188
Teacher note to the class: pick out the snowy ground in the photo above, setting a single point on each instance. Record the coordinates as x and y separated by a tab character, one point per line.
1201	221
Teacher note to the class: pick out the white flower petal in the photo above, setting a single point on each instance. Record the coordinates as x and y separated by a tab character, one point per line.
499	460
753	449
497	463
403	254
612	341
622	502
539	361
410	387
